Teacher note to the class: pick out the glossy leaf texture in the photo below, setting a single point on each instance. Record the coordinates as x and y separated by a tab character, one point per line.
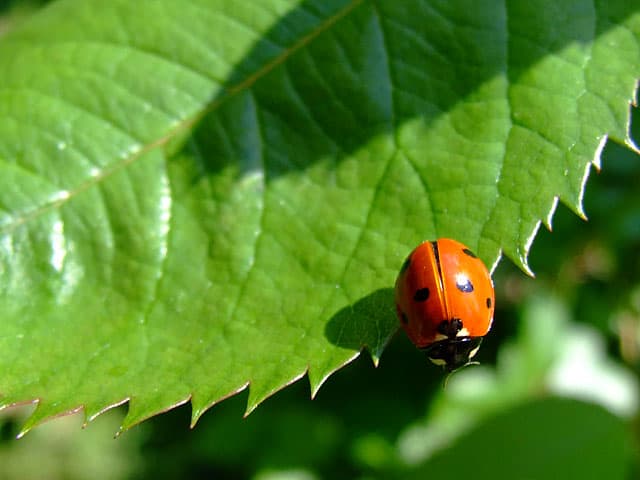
197	197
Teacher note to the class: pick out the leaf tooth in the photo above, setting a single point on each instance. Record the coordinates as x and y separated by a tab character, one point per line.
140	410
548	218
317	378
198	407
376	352
257	395
523	263
45	412
375	355
319	374
575	201
520	255
496	262
597	158
94	411
201	403
9	401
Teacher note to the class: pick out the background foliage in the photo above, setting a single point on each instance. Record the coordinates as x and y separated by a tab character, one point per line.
558	385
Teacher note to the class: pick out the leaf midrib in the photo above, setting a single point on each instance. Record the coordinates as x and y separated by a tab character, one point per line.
184	125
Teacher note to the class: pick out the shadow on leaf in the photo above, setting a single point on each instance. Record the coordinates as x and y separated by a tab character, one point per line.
368	322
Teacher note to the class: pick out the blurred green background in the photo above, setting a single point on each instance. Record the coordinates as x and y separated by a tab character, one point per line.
556	395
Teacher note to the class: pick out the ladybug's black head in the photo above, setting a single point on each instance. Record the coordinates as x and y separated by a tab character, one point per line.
453	353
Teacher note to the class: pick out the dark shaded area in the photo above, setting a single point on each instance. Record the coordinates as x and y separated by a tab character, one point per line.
363	323
6	5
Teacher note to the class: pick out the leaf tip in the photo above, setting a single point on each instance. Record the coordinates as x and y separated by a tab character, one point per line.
597	158
524	265
23	431
578	205
139	411
7	402
258	395
196	413
92	413
43	413
376	353
375	359
317	377
522	252
197	410
495	263
548	219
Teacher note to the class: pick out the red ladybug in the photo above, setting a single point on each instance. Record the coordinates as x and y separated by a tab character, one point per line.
445	301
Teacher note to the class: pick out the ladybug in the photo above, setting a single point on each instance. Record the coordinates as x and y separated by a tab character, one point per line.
445	300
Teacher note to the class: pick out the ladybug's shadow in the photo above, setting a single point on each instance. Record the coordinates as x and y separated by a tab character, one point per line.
369	322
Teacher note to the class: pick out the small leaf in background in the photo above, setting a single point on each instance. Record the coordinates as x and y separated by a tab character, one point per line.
550	438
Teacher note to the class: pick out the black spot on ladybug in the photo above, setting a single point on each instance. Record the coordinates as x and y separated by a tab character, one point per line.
403	318
466	251
488	302
463	283
421	294
405	265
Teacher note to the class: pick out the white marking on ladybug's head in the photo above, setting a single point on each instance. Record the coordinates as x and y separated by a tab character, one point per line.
439	336
463	332
438	361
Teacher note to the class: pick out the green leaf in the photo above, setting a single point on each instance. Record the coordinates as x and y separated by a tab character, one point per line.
551	438
200	196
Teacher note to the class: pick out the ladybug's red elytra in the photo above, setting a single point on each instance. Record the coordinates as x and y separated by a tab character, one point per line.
445	300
